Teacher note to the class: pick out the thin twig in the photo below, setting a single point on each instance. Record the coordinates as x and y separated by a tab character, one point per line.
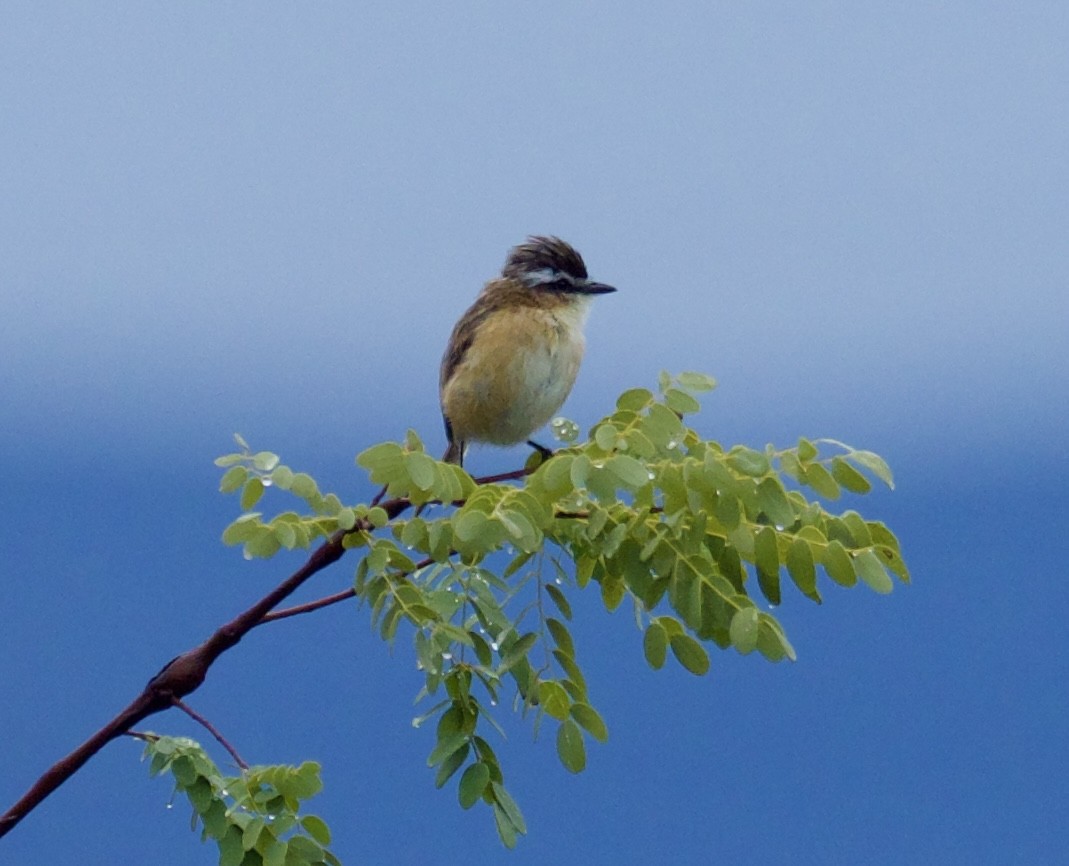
308	607
197	717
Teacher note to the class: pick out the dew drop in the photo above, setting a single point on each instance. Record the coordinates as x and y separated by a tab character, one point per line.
447	656
266	481
493	646
170	805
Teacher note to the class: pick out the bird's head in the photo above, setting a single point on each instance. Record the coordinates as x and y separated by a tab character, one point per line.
548	264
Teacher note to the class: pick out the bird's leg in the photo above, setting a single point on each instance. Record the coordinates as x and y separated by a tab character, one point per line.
541	449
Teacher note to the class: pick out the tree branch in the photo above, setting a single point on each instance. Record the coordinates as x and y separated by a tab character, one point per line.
185	673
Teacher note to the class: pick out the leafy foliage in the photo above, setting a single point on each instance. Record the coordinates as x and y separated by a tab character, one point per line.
693	534
253	818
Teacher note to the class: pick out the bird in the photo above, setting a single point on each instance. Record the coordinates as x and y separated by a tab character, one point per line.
513	356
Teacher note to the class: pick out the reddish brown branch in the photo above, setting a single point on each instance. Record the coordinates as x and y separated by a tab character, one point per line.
197	717
184	674
308	607
181	676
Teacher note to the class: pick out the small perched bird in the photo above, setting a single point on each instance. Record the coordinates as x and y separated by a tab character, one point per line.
513	356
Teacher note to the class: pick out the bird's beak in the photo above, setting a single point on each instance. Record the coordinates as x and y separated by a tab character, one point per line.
596	289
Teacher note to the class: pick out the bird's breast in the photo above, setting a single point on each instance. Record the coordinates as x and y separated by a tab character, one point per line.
516	374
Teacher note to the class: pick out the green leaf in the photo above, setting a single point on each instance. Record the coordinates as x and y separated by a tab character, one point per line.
304	486
801	568
282	477
743	630
634	400
304	849
632	473
838	564
265	461
505	830
251	834
556	475
468	524
509	807
605	436
748	462
589	718
696	382
200	795
681	402
553	699
771	641
559	600
806	450
772	500
612	593
473	783
875	464
450	765
655	645
421	469
449	745
275	854
766	558
816	476
561	636
517	651
230	851
346	518
263	545
849	477
575	676
871	570
317	828
579	471
378	456
232	479
570	746
690	654
251	493
184	771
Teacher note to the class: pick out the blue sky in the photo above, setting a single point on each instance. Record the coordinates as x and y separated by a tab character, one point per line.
266	218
